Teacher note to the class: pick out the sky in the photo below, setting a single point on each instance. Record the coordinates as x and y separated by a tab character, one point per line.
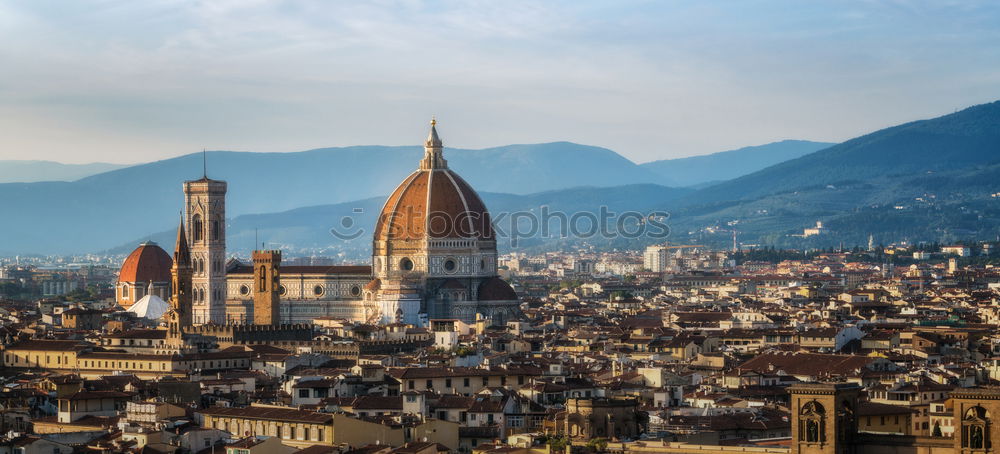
136	81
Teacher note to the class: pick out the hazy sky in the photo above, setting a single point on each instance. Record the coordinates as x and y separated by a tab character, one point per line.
132	81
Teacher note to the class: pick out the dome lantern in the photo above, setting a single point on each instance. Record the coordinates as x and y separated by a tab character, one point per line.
433	150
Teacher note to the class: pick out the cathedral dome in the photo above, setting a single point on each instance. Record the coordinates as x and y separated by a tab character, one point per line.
496	289
433	202
147	263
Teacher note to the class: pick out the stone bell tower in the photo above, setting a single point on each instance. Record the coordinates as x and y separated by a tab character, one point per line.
823	417
267	285
205	212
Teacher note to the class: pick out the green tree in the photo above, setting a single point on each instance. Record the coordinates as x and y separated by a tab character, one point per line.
557	444
620	294
598	444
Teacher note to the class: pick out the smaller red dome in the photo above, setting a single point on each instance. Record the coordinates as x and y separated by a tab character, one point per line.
496	289
147	263
374	284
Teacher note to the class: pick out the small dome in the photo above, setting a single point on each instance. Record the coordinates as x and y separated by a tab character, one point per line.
151	307
496	289
147	263
374	285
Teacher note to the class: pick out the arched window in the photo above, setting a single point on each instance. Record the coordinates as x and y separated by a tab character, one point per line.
975	429
196	227
262	278
812	424
215	230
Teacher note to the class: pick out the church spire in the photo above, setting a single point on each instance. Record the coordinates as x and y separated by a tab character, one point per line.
182	255
180	279
433	154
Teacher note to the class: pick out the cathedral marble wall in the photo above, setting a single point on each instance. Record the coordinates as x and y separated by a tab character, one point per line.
304	297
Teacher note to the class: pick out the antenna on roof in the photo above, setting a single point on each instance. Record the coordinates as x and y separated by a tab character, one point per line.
204	163
255	236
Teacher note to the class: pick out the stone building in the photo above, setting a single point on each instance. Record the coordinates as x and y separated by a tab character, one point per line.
589	418
434	255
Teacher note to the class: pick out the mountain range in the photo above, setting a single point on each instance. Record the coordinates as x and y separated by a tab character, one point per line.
12	171
726	165
928	180
307	230
101	211
921	181
961	140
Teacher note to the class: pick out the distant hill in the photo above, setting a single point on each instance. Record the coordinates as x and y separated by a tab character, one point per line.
307	230
13	171
964	139
103	210
696	171
929	180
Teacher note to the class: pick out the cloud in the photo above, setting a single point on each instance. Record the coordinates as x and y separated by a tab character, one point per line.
133	81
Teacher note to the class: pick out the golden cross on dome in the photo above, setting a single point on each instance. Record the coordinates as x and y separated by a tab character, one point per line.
434	121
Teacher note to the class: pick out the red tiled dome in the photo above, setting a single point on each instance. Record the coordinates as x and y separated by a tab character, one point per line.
433	202
496	289
374	284
147	263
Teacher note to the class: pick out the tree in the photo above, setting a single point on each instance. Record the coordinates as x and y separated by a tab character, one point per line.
620	294
557	444
598	444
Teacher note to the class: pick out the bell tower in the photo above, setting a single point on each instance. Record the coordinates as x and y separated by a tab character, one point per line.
823	417
267	285
205	213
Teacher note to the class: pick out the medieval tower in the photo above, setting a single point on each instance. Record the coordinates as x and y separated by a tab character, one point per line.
266	295
205	212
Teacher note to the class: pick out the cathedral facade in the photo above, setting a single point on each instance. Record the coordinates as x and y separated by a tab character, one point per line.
433	256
